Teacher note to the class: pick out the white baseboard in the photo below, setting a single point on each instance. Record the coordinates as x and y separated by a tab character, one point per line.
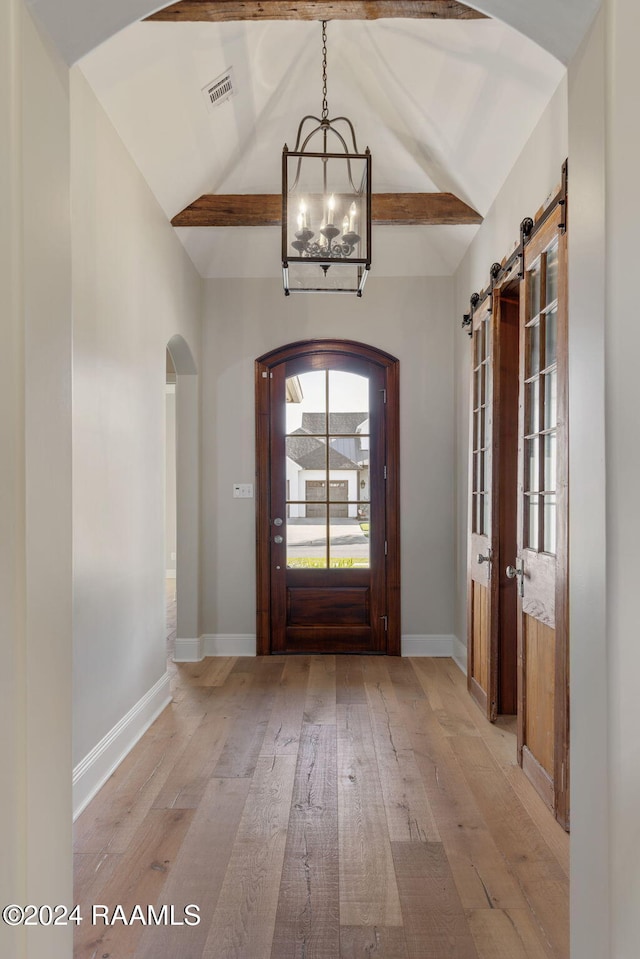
460	654
188	650
214	644
93	771
229	644
428	645
244	644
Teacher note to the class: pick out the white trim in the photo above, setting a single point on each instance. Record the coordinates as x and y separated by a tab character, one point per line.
170	573
244	644
92	772
188	651
460	654
428	645
229	644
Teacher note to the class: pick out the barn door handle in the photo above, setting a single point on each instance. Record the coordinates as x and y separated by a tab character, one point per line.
515	572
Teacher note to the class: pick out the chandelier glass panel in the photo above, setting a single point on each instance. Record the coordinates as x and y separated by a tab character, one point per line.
326	205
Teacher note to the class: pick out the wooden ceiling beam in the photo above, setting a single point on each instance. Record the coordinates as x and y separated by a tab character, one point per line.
216	11
391	209
421	209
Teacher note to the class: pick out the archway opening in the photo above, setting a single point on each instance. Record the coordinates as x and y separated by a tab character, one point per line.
182	507
170	507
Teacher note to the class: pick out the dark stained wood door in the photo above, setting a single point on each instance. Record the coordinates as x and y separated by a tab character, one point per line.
327	499
491	639
539	573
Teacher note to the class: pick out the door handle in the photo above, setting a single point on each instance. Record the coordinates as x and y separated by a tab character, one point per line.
515	572
484	559
277	539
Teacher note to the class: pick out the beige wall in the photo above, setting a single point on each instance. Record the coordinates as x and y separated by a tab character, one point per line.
622	349
587	559
35	481
12	479
133	288
410	318
48	332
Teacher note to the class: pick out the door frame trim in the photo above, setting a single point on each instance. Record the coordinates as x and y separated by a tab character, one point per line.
264	366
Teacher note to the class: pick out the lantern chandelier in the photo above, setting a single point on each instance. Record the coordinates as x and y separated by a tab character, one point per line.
326	205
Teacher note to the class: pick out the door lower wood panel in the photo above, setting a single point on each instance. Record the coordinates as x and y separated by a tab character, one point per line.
481	634
538	755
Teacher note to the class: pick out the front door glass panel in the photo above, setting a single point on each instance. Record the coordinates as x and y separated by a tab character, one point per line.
327	470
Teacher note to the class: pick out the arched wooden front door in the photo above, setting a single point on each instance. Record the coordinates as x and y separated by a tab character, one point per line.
328	552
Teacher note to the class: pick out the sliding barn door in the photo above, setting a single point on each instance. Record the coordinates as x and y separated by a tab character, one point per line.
539	571
481	619
492	630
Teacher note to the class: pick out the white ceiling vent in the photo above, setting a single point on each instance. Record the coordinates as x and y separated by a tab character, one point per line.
219	90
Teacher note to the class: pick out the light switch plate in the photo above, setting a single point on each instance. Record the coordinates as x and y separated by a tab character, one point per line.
243	490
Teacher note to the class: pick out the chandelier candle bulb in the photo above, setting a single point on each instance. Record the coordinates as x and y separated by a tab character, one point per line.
352	218
332	206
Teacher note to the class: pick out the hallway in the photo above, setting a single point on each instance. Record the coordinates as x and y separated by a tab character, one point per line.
326	807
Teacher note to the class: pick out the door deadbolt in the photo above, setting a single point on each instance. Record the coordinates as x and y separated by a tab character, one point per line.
277	521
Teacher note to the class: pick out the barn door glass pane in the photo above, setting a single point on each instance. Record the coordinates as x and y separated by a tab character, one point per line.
481	427
550	400
541	404
327	470
533	406
531	530
552	274
550	337
550	463
534	290
549	532
532	481
533	352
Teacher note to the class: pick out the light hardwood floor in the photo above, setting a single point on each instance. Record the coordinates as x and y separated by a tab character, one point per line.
324	808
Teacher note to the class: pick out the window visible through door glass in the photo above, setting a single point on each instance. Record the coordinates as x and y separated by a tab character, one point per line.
307	536
327	470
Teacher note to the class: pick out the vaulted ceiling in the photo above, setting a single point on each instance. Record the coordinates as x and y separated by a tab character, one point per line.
78	26
445	105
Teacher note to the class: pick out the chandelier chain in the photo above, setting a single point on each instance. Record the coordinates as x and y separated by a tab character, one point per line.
325	105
